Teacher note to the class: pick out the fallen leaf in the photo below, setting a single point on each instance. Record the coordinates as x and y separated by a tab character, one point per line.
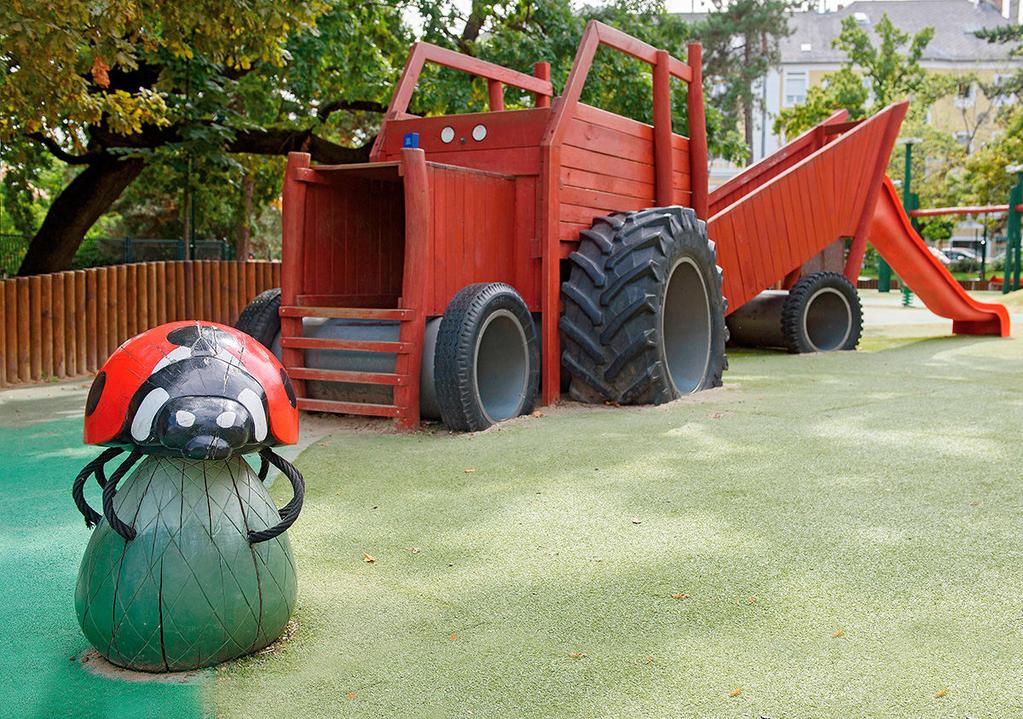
838	633
941	693
73	658
716	415
537	413
470	470
649	660
368	558
350	695
735	692
680	595
577	655
413	550
751	600
100	72
453	637
637	520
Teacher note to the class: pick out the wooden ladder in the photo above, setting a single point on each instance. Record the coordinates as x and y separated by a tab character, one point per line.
404	379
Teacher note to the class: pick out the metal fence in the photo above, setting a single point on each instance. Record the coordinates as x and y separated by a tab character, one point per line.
100	251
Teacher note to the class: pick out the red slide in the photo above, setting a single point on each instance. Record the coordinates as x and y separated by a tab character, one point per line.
893	236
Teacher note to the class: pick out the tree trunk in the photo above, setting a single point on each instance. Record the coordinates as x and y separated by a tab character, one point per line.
75	210
243	245
747	107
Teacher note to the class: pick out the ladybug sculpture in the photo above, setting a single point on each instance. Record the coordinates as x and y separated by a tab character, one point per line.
192	398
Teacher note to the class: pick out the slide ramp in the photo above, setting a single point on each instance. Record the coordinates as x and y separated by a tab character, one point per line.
892	234
778	214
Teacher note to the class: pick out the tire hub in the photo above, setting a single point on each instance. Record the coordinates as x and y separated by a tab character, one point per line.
827	320
686	327
502	366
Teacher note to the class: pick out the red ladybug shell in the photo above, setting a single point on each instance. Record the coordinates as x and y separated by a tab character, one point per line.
136	366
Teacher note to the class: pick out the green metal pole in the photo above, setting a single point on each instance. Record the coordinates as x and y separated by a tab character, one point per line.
884	270
1014	229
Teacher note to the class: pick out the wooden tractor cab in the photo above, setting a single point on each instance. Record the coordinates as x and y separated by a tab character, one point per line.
476	256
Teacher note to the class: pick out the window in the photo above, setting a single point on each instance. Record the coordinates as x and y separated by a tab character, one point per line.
966	94
795	88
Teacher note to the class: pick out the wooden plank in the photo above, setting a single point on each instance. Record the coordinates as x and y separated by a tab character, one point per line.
217	292
91	300
581	214
606	141
511	161
3	335
373	410
24	329
162	294
153	295
603	200
332	375
35	285
355	313
585	179
123	300
180	312
322	343
15	310
57	321
70	333
112	308
102	317
605	165
81	324
46	324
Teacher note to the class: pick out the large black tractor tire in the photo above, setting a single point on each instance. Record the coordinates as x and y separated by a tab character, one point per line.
487	359
644	316
261	318
822	314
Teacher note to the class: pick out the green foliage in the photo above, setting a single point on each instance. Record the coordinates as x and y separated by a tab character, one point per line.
742	40
67	62
890	71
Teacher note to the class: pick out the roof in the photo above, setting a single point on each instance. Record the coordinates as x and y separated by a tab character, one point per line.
954	22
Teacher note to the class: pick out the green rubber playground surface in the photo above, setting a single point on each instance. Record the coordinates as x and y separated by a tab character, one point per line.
826	536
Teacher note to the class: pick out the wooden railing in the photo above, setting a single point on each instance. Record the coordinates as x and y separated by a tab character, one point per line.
66	324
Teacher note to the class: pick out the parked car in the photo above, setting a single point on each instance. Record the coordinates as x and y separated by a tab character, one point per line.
942	257
957	254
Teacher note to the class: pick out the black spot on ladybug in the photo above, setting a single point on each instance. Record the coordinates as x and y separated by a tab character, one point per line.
96	391
288	389
202	339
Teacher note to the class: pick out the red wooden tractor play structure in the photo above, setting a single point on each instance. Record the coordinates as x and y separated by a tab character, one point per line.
484	262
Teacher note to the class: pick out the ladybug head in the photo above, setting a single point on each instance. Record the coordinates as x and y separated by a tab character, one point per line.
193	389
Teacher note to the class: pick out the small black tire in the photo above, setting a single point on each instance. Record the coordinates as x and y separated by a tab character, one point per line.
261	318
487	359
822	313
630	334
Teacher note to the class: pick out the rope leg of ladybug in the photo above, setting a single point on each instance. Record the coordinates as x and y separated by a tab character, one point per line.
95	467
289	513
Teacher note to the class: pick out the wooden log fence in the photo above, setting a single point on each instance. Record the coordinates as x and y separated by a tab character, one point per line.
66	324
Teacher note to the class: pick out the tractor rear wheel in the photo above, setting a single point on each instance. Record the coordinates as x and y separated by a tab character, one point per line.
644	318
487	359
261	318
822	313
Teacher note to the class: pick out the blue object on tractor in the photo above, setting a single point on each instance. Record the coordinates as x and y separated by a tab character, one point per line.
410	140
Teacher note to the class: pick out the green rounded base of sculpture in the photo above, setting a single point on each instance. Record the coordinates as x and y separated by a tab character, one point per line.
188	591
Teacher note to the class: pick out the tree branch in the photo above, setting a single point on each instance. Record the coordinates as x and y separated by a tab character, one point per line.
281	142
328	109
61	154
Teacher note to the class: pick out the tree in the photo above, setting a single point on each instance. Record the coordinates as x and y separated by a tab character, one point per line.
984	174
888	72
742	38
105	87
